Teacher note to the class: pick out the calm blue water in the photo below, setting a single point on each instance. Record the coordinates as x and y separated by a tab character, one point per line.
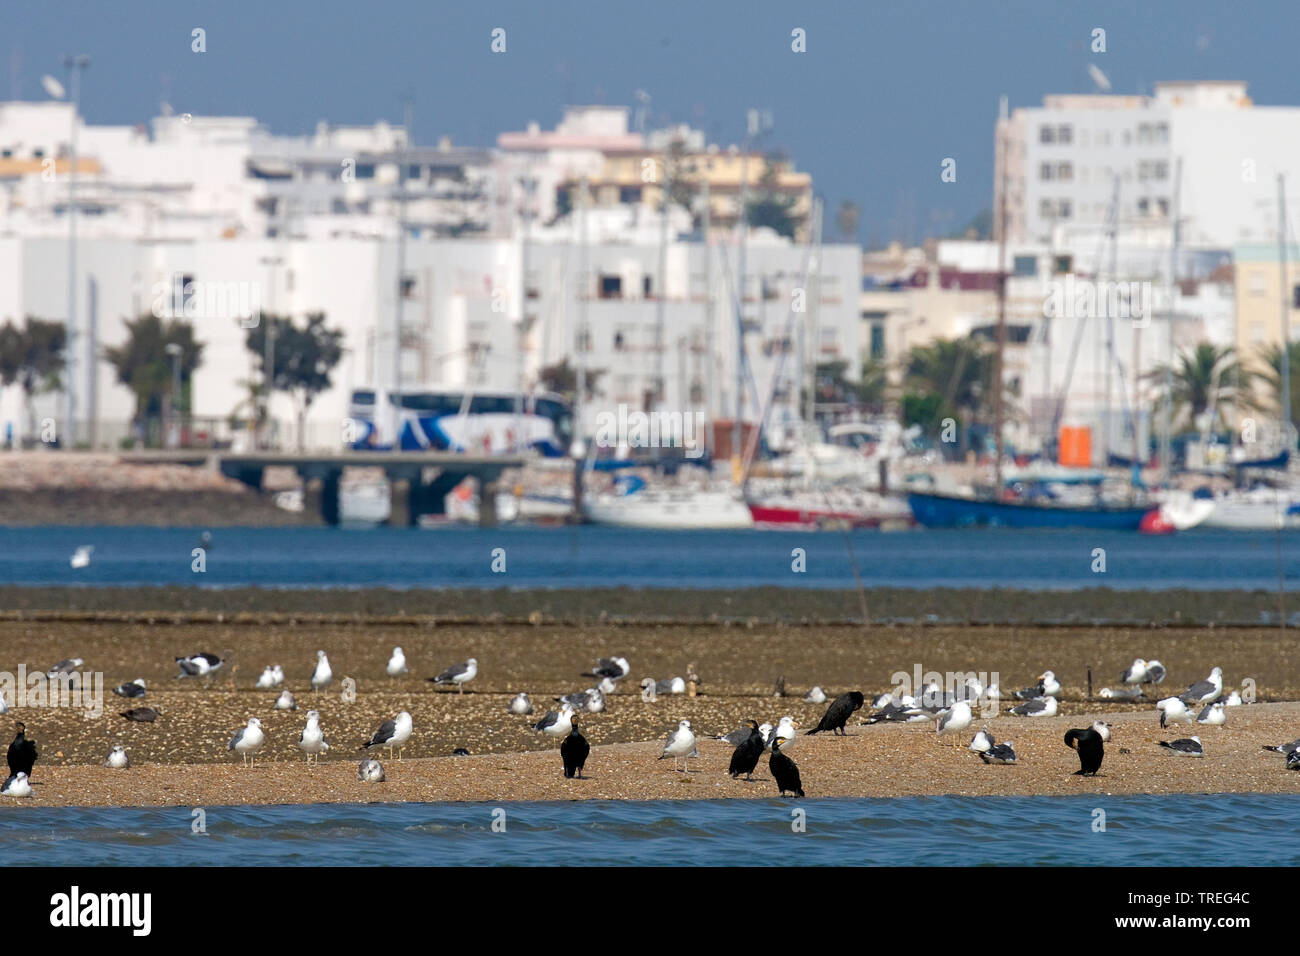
1178	831
592	557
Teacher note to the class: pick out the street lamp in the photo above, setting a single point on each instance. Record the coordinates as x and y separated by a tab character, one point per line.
175	351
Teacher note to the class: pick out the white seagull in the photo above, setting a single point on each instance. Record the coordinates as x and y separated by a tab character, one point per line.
982	742
1183	747
1204	690
134	689
285	701
785	729
370	771
1051	686
521	704
392	734
458	674
1136	672
117	758
17	786
955	719
267	680
1213	714
81	557
1171	708
680	745
397	663
815	696
556	723
322	676
312	739
1042	707
248	741
202	664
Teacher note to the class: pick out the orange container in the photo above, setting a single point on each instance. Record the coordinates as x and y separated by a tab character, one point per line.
1075	446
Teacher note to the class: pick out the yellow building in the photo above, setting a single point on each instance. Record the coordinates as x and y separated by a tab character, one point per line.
1259	292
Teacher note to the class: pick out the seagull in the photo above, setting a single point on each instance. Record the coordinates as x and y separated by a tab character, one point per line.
1204	690
1213	714
65	668
1032	692
4	704
1293	762
884	700
838	713
982	742
248	741
1051	686
1286	749
273	676
521	704
1155	672
81	557
199	665
1000	753
133	689
680	745
458	674
22	752
117	758
285	701
956	719
1126	693
397	663
1042	707
141	715
1184	747
1230	700
615	668
556	723
1103	729
1171	708
674	685
784	729
322	676
370	771
765	731
815	696
17	786
591	700
392	734
312	739
1136	672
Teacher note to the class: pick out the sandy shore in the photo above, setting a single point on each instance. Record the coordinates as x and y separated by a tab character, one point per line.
877	761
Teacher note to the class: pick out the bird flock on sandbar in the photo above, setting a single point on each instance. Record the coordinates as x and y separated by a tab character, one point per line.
950	711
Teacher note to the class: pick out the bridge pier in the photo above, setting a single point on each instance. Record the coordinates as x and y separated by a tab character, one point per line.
487	503
402	493
329	498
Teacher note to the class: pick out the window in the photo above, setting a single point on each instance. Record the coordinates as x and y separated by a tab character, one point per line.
1065	134
1258	282
1064	209
1063	265
1046	209
365	170
1144	206
1025	266
1047	134
647	288
408	286
629	195
611	287
1064	171
878	337
1046	172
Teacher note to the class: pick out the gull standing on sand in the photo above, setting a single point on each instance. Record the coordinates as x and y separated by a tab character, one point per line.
312	739
680	745
1171	708
392	734
285	701
458	674
248	741
323	676
982	742
397	663
954	720
133	689
1204	690
521	705
117	758
273	676
370	771
556	723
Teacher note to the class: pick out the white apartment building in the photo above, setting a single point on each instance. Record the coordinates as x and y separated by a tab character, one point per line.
1063	160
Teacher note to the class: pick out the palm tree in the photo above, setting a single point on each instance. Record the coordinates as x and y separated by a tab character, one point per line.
143	365
1272	376
1206	380
949	378
32	359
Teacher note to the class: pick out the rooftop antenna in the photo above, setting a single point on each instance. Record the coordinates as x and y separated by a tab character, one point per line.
1099	79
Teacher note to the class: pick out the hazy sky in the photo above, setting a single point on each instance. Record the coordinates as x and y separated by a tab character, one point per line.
883	94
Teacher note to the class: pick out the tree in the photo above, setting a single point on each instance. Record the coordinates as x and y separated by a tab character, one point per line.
302	358
1204	378
834	387
948	378
771	208
32	358
1272	357
562	379
143	365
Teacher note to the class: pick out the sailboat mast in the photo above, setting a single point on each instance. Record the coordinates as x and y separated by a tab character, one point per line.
1282	258
1002	328
1166	430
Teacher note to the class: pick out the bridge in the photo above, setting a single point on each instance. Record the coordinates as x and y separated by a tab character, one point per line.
420	479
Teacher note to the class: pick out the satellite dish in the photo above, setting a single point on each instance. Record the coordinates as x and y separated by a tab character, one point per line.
53	87
1099	78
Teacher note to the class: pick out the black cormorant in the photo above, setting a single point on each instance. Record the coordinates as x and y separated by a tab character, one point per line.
574	751
784	771
745	757
838	713
22	752
1089	745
